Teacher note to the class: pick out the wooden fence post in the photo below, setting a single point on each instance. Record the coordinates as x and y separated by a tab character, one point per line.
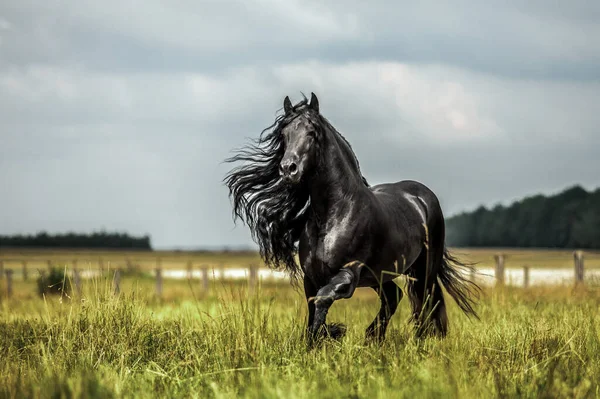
77	280
76	276
204	270
9	289
159	283
189	269
499	269
525	276
253	276
222	271
129	265
578	257
117	282
24	269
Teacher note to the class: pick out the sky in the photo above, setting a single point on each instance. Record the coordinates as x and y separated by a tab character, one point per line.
118	114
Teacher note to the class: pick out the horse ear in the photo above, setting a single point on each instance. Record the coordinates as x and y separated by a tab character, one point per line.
287	105
314	102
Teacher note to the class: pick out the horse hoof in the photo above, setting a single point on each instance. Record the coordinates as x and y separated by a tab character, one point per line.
336	330
333	331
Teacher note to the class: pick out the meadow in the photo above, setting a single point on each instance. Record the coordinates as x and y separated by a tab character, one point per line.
236	342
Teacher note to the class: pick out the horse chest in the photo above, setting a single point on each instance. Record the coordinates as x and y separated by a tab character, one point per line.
334	243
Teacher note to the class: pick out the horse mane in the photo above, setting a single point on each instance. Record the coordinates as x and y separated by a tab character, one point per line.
346	147
276	213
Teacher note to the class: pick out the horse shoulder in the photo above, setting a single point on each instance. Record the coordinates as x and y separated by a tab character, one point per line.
348	232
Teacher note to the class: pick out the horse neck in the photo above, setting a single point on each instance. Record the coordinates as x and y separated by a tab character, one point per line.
335	182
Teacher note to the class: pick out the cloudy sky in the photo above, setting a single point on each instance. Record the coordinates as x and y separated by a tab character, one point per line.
117	114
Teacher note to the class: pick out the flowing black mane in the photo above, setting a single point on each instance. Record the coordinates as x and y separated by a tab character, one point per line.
276	213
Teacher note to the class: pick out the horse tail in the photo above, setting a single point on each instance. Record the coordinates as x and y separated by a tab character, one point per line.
458	284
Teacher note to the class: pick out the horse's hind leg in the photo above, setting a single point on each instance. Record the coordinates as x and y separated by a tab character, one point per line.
390	295
416	288
425	292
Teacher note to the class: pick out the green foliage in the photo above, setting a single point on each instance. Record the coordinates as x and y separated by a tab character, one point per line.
570	219
72	240
536	343
55	282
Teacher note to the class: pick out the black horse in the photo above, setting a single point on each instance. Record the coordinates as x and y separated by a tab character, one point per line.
301	191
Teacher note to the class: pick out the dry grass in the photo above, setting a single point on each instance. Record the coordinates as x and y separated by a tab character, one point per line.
543	342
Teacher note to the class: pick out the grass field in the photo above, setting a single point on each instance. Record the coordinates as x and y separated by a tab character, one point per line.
543	342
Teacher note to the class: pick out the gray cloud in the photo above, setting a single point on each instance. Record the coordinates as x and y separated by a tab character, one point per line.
534	40
120	116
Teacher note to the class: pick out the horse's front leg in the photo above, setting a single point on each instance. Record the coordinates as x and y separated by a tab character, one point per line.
342	285
310	292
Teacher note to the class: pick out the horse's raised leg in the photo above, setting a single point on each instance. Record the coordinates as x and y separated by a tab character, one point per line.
390	295
342	285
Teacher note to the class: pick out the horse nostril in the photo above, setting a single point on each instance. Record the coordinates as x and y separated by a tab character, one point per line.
293	168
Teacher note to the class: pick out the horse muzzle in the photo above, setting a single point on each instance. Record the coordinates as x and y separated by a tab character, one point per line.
289	171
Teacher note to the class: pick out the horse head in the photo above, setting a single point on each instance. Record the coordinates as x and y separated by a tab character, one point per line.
306	136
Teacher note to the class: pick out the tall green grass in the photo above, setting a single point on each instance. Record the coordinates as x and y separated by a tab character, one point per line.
232	343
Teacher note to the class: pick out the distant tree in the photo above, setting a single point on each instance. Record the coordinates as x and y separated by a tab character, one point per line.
73	240
567	220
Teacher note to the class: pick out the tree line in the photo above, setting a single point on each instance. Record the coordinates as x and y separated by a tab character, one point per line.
570	219
75	240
